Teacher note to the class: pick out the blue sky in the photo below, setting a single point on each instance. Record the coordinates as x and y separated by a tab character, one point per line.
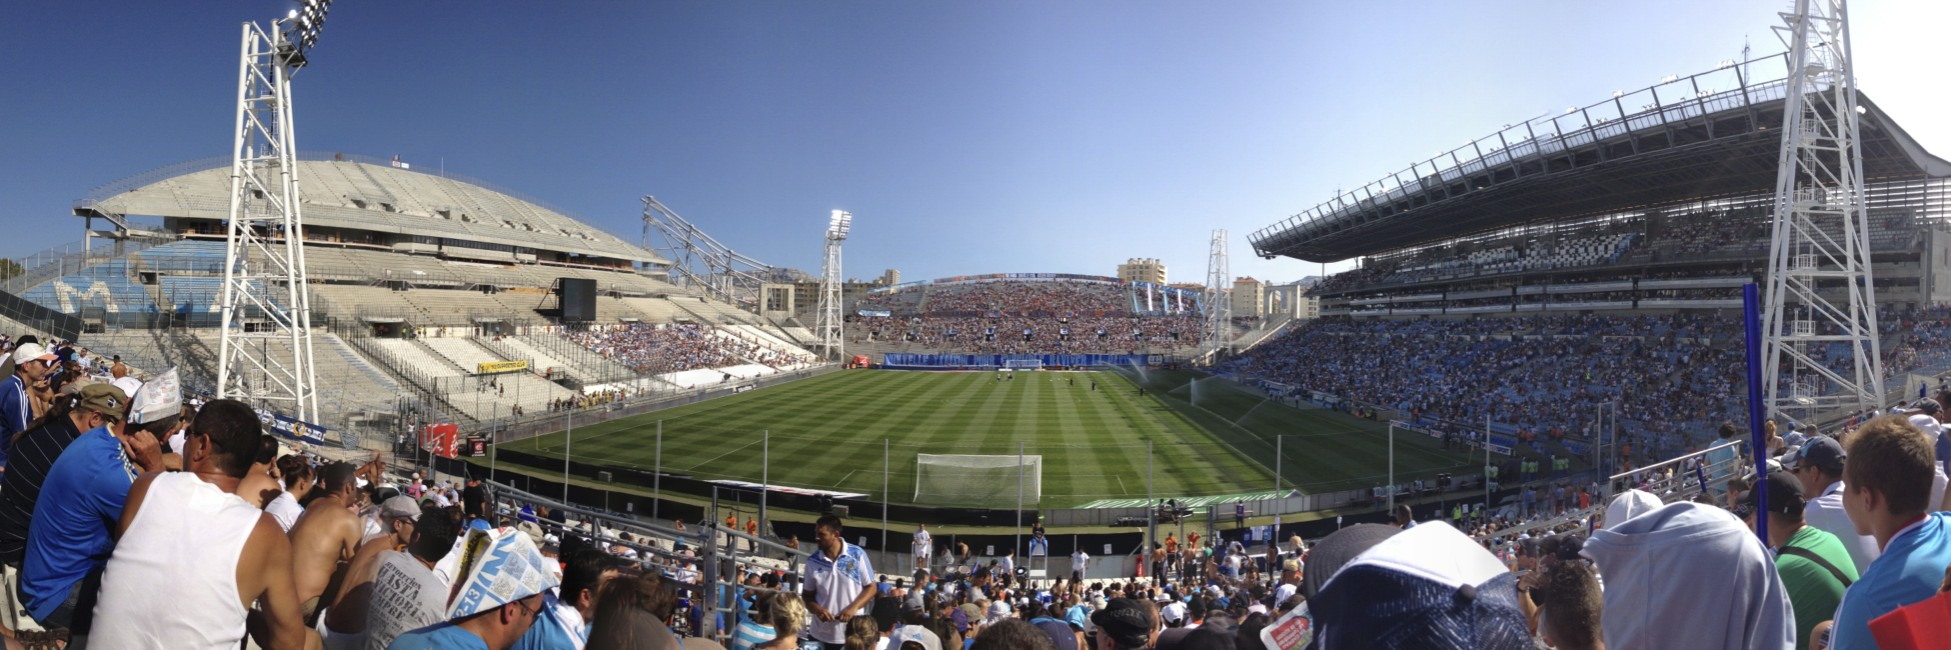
966	137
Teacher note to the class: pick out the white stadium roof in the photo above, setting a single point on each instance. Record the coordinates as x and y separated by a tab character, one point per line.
354	192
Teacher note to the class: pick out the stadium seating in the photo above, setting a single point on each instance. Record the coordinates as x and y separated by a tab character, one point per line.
101	292
461	352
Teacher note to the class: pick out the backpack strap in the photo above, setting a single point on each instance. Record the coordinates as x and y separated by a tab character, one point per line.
1809	555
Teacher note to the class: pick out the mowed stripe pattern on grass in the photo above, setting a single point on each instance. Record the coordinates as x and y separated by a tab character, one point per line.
827	433
1323	450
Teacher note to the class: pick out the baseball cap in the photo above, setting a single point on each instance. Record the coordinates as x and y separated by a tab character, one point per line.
400	506
1784	496
1629	504
1338	549
32	352
1927	405
913	634
1127	621
1427	587
1822	452
104	399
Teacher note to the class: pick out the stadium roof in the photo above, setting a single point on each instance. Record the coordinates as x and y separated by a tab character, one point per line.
1710	135
360	193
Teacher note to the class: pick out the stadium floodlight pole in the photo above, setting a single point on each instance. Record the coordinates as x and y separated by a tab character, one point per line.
265	295
828	322
1151	510
1018	544
1820	288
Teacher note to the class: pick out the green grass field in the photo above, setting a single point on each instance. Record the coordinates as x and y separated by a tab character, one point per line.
1210	436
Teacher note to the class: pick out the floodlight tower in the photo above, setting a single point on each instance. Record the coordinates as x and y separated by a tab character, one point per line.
833	343
1218	299
1819	285
265	357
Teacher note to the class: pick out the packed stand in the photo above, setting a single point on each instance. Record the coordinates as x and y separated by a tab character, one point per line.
1024	317
660	349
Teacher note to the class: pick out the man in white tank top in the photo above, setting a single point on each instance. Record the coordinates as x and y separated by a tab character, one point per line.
186	539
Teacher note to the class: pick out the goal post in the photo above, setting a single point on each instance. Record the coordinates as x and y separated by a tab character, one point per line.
1023	364
978	480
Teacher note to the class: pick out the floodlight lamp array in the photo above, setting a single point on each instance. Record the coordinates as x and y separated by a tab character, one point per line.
301	27
838	225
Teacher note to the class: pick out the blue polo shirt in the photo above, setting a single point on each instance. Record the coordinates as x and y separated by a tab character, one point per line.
439	636
1909	570
80	504
14	413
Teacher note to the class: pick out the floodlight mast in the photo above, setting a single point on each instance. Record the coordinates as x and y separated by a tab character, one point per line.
1820	290
1218	300
829	324
265	355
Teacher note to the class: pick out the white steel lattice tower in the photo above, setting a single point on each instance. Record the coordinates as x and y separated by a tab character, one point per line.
1218	299
1819	287
265	357
827	326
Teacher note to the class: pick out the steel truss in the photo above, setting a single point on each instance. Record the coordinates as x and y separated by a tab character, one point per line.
1820	291
265	356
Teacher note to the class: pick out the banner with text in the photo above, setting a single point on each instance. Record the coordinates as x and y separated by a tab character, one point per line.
490	367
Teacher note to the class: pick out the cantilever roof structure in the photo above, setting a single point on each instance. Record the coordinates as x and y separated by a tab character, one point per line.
1705	136
353	192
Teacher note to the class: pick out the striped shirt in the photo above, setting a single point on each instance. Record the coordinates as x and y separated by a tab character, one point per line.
21	486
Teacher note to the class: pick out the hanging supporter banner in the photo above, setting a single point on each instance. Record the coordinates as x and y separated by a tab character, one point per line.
877	313
441	439
489	367
304	431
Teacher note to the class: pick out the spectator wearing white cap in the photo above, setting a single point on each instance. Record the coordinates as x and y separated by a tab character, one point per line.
31	366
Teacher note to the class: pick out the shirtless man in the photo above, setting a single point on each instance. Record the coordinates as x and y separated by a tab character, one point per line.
347	614
148	568
325	538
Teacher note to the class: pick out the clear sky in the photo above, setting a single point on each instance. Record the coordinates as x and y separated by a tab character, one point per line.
965	136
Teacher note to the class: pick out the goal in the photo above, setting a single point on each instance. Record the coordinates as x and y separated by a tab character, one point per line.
1023	364
974	480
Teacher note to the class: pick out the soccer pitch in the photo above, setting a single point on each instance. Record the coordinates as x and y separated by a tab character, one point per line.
1209	436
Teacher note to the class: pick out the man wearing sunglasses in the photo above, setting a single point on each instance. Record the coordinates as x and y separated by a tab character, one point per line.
32	363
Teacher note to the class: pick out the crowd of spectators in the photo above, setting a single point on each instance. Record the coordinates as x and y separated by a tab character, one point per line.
1025	317
1672	378
676	347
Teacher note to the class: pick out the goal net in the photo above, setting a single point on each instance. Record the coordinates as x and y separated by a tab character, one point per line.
1023	364
973	480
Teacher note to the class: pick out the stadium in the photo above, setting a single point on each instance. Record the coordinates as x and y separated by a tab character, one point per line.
1547	316
1597	241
